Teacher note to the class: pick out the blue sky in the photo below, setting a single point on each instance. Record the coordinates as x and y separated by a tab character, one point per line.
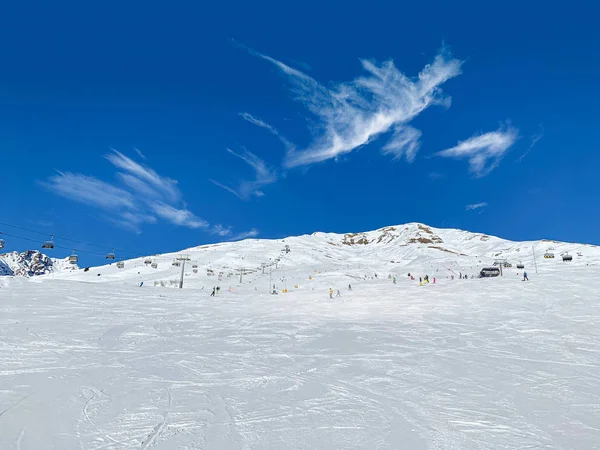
151	128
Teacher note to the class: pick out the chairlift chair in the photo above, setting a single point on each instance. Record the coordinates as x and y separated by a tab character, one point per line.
49	244
154	265
1	243
120	265
176	263
111	255
73	259
567	257
520	266
195	270
548	255
147	261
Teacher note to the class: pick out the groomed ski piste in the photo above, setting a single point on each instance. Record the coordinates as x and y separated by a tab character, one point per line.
91	360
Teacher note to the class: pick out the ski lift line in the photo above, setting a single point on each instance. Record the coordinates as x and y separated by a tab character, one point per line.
66	239
55	246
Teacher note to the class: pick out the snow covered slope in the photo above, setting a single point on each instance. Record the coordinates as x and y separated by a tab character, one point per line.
31	263
460	364
342	258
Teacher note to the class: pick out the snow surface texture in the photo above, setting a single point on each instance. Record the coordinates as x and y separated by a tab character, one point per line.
461	364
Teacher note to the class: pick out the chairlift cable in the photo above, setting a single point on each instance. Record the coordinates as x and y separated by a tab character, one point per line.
62	238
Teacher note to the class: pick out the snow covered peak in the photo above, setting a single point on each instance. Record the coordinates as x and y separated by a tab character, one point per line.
411	247
29	263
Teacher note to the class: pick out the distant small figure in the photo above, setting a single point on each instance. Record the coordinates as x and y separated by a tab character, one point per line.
218	289
141	283
338	294
394	280
434	280
525	278
330	293
460	275
349	287
452	277
212	294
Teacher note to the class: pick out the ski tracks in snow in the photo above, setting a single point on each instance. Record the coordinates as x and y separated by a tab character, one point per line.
160	427
20	438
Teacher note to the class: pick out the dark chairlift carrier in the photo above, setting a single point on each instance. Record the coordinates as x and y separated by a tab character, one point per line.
567	257
49	244
120	265
111	255
520	266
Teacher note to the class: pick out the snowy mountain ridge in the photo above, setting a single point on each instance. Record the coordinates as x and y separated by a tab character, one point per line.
30	263
412	247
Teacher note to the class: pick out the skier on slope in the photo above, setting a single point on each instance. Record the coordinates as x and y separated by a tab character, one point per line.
339	294
212	294
525	278
330	293
349	287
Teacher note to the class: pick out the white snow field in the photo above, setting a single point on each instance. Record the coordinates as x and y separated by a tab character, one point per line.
461	364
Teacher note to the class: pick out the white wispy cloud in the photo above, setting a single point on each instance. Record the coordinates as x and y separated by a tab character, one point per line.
261	123
227	188
220	230
264	175
404	142
352	114
534	140
165	186
182	217
131	220
89	190
483	151
258	122
142	196
475	206
140	154
245	235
